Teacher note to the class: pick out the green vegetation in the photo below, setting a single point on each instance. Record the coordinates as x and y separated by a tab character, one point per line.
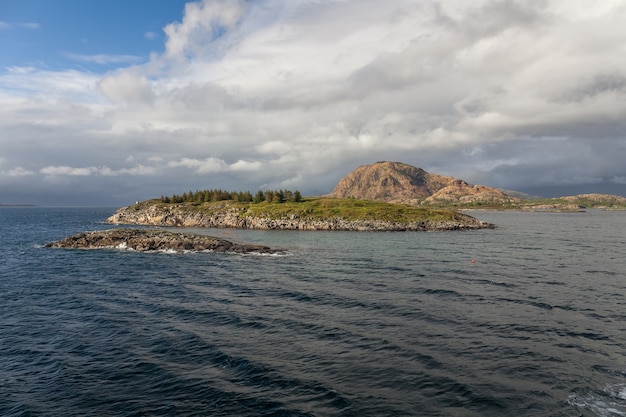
287	205
349	209
316	208
206	196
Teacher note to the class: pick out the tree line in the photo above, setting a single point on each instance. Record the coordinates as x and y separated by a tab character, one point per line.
213	195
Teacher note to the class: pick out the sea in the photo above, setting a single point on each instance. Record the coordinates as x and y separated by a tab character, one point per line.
528	319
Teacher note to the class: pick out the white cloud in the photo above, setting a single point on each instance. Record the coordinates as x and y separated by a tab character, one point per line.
104	59
46	85
139	170
205	24
67	171
301	92
19	172
245	166
26	25
127	87
201	166
29	25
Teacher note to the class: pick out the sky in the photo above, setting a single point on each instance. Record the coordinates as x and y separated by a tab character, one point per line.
109	102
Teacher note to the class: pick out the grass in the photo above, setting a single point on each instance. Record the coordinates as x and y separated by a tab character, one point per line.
349	209
319	208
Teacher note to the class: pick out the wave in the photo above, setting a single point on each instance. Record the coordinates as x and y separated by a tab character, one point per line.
610	401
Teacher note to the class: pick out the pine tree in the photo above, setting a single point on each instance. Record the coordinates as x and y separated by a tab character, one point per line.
258	197
288	195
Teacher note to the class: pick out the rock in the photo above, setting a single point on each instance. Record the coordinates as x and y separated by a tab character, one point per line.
231	217
143	240
395	182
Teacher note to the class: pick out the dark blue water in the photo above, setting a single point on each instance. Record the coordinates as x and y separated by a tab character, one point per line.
345	324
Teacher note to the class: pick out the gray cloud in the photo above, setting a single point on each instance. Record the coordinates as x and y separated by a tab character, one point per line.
520	95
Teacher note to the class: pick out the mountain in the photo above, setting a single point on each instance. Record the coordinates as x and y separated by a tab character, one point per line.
396	182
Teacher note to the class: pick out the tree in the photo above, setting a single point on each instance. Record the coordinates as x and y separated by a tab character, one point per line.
288	195
258	197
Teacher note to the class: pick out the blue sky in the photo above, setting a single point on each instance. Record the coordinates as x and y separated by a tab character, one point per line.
86	35
108	102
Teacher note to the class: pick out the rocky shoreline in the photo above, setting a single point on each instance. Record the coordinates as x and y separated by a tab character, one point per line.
232	217
145	240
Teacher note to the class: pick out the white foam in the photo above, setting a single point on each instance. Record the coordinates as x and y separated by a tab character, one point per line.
280	254
610	405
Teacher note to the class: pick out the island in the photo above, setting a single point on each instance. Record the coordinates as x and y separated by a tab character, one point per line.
312	213
397	182
145	240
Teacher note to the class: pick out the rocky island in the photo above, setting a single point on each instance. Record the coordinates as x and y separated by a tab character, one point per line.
384	196
310	214
144	240
380	197
396	182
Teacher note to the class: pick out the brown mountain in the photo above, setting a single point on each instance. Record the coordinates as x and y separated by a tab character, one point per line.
395	182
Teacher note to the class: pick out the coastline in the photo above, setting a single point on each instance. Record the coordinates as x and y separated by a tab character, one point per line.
225	215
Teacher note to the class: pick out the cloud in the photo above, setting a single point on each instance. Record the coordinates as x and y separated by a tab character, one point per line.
515	94
127	87
27	25
19	82
205	166
67	171
104	59
205	27
245	166
19	172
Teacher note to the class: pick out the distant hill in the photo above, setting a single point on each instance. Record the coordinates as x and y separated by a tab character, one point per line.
396	182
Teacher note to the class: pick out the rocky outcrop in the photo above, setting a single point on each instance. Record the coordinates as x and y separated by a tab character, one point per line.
222	215
596	199
228	216
142	240
395	182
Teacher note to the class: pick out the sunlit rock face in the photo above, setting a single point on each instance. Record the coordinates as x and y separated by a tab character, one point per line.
395	182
